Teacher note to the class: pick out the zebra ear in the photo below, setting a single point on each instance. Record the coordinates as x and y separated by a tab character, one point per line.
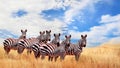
40	32
25	30
50	31
86	35
43	32
70	36
82	36
59	34
21	30
54	35
46	31
65	36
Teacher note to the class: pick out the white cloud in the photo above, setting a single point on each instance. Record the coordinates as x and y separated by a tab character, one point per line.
76	8
109	19
35	23
98	34
32	21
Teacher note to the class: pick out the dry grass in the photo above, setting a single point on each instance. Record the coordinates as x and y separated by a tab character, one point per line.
98	57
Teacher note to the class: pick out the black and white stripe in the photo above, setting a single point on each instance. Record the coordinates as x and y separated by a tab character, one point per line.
26	44
76	49
11	43
50	49
44	49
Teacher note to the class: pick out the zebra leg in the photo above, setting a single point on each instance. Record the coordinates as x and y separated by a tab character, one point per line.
38	55
28	51
20	50
50	58
62	56
35	54
7	49
77	57
56	58
43	57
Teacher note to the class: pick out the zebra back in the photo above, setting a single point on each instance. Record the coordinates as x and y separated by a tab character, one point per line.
26	44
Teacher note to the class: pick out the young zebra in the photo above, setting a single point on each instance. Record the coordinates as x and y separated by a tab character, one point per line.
27	43
11	43
76	49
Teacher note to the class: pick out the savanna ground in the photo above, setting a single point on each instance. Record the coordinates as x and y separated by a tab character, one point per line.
104	56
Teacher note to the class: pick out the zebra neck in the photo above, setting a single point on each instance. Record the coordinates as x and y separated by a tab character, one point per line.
79	46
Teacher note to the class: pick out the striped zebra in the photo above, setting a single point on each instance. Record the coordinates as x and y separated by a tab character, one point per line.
56	41
47	36
47	49
76	49
11	43
61	50
36	46
41	37
27	43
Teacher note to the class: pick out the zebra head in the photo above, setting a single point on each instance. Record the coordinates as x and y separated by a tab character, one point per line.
41	37
66	42
21	46
56	39
23	36
48	35
83	41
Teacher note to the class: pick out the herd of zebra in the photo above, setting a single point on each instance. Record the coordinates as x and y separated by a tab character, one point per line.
41	47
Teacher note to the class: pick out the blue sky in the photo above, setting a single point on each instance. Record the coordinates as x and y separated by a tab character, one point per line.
94	18
19	13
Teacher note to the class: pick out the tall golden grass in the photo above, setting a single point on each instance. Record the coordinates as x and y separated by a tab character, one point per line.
104	56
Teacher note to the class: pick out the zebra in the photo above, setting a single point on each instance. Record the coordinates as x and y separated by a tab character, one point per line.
47	36
56	41
47	49
61	50
36	46
27	43
41	37
76	49
11	43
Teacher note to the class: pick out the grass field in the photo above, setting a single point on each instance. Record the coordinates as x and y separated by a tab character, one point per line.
104	56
